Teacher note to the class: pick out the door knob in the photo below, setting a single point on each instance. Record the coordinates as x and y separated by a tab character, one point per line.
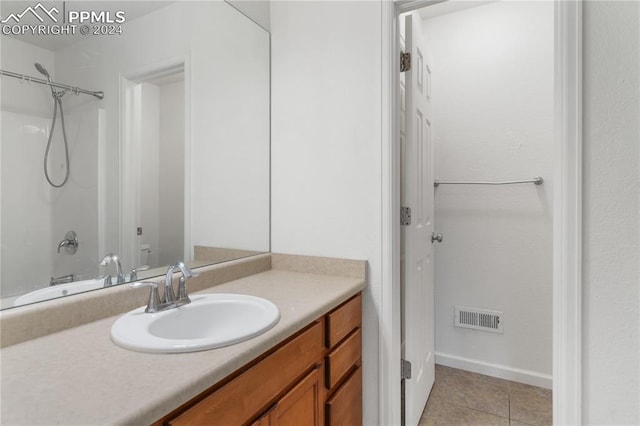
436	237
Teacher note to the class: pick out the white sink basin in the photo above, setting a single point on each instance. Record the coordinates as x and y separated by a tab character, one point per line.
209	321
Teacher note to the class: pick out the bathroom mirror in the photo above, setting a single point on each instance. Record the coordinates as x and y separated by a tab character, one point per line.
164	151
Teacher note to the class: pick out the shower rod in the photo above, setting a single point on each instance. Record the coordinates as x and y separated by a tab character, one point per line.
29	79
537	180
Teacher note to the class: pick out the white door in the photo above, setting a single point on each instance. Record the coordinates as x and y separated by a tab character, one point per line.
417	193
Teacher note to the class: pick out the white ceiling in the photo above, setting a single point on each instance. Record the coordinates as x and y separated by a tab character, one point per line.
450	6
132	9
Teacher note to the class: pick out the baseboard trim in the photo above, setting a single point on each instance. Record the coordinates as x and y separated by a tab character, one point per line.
495	370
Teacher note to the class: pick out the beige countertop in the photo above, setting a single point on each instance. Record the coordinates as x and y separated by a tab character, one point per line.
79	377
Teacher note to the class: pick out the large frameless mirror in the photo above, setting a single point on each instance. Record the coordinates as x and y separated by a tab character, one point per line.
135	134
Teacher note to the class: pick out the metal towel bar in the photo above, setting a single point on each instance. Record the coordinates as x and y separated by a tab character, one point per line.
536	180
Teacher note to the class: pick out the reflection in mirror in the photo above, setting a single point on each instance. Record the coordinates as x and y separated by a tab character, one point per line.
137	145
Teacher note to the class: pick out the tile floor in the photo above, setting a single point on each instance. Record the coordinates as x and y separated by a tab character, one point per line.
460	397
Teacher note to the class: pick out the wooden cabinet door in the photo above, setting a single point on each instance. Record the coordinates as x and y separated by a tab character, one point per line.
301	406
265	420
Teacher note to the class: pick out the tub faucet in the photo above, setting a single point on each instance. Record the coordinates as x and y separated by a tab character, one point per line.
115	259
62	280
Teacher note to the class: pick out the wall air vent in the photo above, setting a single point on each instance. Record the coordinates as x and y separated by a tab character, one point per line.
478	319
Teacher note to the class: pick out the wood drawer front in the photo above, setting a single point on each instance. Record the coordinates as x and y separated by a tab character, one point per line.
343	358
240	399
342	321
345	406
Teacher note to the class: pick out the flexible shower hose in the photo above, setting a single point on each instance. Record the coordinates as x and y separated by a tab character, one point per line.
57	99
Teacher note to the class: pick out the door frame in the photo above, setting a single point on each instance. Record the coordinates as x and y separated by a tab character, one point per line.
130	156
567	214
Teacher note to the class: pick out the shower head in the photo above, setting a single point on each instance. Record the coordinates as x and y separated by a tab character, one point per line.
42	70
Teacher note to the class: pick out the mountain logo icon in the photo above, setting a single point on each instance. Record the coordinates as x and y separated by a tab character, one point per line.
38	11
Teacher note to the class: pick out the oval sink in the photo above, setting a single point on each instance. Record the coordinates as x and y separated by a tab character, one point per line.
210	321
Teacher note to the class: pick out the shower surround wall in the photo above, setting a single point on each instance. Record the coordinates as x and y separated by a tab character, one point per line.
36	216
26	233
76	206
497	249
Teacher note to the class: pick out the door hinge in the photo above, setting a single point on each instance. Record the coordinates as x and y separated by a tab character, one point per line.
405	216
405	61
405	369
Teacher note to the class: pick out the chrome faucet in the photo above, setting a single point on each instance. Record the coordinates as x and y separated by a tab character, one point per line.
168	301
115	259
169	295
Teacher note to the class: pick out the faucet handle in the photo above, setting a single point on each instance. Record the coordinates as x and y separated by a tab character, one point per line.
106	280
183	297
133	275
154	299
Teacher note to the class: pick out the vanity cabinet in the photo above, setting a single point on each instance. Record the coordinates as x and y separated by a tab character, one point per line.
312	379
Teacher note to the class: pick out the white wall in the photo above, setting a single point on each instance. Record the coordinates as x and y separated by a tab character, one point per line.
611	277
492	91
326	144
258	10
